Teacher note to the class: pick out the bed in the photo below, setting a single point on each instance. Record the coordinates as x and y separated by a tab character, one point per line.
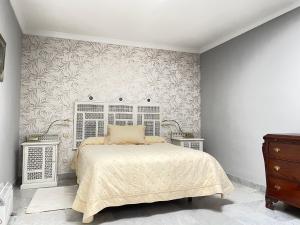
115	175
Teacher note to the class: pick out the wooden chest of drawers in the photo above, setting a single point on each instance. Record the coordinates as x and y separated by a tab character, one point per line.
282	164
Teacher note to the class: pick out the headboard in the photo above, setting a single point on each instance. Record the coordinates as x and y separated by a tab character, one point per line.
91	118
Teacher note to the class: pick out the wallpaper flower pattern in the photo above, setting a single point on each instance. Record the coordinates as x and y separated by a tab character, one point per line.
58	72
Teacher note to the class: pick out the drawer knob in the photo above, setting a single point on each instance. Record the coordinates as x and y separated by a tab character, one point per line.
277	168
277	187
276	149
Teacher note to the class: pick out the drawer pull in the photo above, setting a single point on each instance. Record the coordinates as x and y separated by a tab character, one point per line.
276	149
277	168
277	187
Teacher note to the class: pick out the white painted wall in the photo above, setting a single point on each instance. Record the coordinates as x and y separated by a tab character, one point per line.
9	93
250	86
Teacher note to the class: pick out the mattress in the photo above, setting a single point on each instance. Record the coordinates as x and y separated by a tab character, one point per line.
114	175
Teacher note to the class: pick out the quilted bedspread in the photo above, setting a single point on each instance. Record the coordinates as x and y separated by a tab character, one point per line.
114	175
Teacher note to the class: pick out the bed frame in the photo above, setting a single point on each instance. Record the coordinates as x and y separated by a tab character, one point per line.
91	118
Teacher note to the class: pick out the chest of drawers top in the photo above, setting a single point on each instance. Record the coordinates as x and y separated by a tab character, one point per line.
283	137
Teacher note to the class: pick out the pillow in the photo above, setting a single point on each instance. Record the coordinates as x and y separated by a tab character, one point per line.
154	139
93	141
126	134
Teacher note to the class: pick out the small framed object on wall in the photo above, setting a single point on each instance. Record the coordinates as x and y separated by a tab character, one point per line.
2	57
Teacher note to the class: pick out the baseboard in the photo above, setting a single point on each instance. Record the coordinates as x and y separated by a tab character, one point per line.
247	183
40	185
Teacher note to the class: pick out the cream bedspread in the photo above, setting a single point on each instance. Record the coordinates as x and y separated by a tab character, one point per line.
114	175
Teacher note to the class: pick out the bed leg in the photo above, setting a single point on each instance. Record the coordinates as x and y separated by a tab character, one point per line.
190	199
87	219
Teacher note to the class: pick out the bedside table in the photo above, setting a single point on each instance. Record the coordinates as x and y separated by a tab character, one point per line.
39	164
194	143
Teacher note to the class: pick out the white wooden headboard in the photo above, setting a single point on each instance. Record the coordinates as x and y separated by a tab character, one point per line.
91	118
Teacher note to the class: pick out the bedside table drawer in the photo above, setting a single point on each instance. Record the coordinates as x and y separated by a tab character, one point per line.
39	165
196	144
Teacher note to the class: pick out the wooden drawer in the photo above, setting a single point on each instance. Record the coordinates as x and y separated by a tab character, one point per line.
290	152
283	190
284	169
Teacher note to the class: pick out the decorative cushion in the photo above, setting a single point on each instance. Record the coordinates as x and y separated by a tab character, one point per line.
93	141
154	139
126	134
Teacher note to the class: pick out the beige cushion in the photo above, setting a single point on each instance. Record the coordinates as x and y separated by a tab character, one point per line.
93	141
154	139
126	134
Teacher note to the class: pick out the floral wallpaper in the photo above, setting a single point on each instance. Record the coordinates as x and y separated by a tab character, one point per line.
58	72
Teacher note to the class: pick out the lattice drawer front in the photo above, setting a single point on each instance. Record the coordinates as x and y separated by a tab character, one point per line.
35	158
33	176
49	162
39	164
33	164
195	145
186	144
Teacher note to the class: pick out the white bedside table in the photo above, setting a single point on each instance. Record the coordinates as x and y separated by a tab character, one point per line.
194	143
39	164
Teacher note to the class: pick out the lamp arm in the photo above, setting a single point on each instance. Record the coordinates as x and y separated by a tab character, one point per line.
176	123
52	123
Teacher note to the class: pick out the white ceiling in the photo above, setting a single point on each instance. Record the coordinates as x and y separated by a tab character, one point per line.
182	25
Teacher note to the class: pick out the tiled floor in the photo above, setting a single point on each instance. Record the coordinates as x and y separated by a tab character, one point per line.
244	206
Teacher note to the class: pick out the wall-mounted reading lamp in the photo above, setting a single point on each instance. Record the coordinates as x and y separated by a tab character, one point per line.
184	134
174	121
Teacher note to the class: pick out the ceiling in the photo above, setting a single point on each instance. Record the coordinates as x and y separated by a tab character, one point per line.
181	25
